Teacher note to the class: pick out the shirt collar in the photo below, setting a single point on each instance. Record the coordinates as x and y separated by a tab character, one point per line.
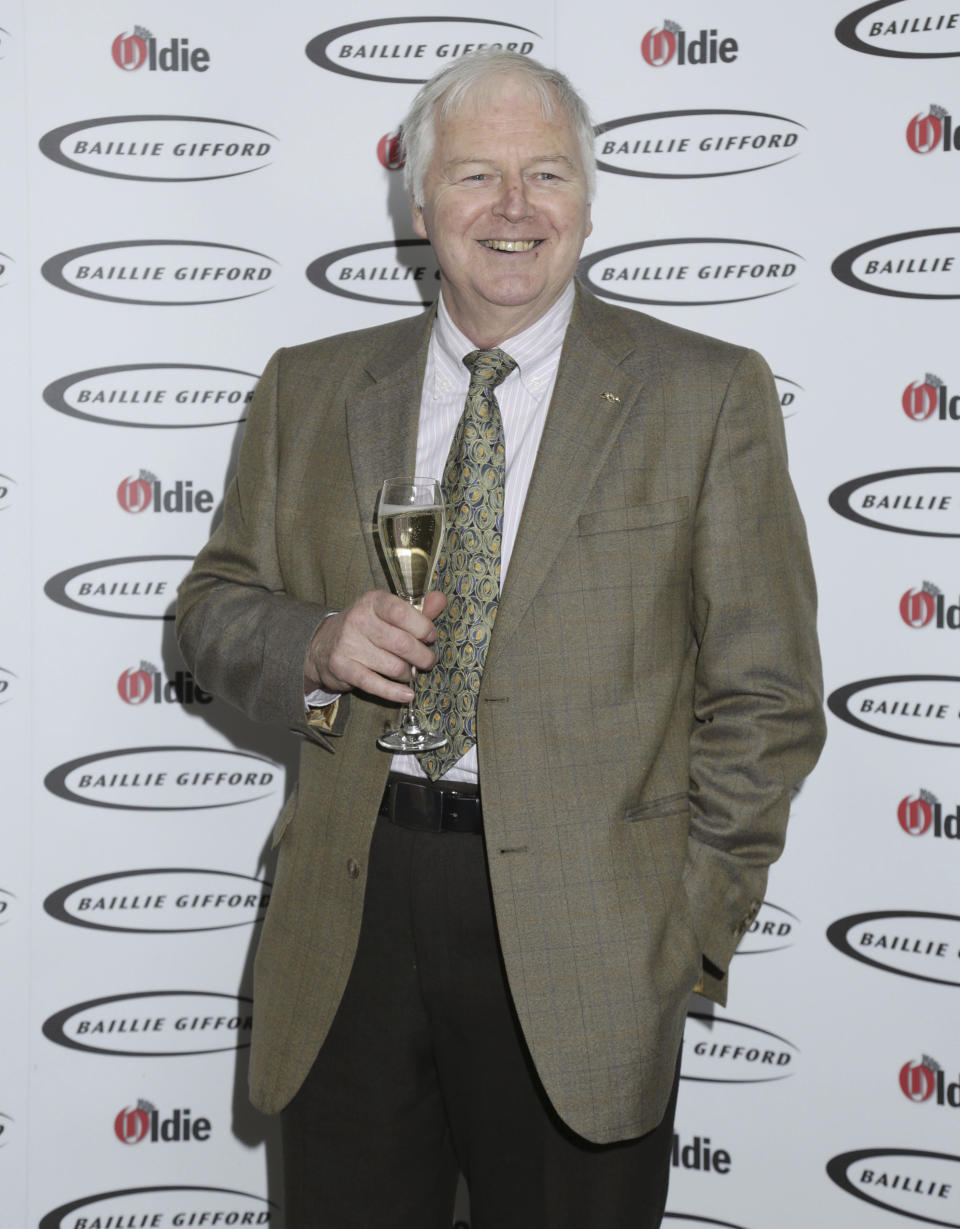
534	350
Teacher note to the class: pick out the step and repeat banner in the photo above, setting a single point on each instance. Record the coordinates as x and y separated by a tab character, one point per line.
187	187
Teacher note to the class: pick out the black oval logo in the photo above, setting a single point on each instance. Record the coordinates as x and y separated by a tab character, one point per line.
892	1178
918	264
160	900
686	1219
746	1054
132	587
163	148
910	943
155	1205
907	36
174	778
690	272
408	267
926	506
192	394
154	1024
161	272
695	144
909	707
399	54
5	263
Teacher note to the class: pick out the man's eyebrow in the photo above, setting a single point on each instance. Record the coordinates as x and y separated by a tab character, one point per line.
562	159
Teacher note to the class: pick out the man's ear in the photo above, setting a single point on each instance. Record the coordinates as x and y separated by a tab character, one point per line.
419	225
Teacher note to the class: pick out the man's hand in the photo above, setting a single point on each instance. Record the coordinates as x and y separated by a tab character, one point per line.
371	644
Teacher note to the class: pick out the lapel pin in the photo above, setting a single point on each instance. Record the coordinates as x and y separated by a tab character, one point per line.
611	397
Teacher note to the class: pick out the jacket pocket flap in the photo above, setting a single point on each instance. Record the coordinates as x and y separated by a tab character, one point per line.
636	516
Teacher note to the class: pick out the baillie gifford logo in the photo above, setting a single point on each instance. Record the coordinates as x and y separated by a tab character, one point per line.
927	607
669	44
137	686
930	399
925	1081
141	50
935	130
146	491
924	814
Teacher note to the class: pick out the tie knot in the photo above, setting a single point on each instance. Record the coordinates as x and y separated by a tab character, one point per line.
488	367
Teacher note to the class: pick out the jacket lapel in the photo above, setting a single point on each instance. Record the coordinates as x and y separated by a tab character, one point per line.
596	389
382	422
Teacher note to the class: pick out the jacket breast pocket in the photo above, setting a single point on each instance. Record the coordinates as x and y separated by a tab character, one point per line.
633	516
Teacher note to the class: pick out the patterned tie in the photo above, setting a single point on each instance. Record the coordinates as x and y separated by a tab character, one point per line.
468	569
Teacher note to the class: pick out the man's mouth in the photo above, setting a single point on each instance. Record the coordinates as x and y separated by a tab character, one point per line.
511	245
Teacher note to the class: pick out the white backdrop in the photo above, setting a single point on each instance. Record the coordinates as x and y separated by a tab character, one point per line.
187	187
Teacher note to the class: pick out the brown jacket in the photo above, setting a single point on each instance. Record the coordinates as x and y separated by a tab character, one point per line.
650	697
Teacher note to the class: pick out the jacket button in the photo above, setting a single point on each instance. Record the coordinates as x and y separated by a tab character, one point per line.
353	868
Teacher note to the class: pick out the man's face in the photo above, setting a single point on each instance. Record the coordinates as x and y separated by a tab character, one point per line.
505	208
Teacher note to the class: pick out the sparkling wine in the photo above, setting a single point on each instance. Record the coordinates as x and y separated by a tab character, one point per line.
410	537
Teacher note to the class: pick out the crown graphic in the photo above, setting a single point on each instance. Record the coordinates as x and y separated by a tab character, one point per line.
926	796
931	1064
142	32
148	667
147	476
673	26
929	587
145	1106
932	380
938	111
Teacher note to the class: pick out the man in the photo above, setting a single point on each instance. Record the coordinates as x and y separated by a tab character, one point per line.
483	961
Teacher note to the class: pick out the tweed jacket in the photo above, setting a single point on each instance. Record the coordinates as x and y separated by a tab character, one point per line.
650	698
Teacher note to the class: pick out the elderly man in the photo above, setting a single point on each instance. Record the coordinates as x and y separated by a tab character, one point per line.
478	960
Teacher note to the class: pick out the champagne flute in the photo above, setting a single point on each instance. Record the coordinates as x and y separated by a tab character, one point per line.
411	525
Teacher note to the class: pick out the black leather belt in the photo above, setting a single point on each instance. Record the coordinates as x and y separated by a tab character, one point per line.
432	806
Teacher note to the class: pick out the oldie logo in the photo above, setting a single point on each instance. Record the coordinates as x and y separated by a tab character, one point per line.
696	144
690	272
144	683
141	1122
923	946
133	587
400	271
137	494
930	398
918	264
141	50
933	130
161	900
722	1051
156	395
409	50
390	153
773	929
700	1154
923	501
165	779
170	148
923	814
924	1186
162	272
907	29
6	906
160	1207
927	607
670	44
925	1081
916	708
154	1024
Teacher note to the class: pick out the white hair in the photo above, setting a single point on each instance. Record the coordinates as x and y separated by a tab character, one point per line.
446	92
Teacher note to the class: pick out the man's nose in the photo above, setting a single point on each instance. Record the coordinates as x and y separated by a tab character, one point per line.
513	202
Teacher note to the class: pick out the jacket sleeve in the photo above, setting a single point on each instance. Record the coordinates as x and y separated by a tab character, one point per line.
241	634
758	703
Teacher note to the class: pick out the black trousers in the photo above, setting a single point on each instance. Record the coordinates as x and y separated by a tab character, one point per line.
425	1073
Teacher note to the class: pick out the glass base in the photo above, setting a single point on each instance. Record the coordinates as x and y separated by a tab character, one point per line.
401	743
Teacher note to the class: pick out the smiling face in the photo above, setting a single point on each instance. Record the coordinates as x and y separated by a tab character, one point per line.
505	208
